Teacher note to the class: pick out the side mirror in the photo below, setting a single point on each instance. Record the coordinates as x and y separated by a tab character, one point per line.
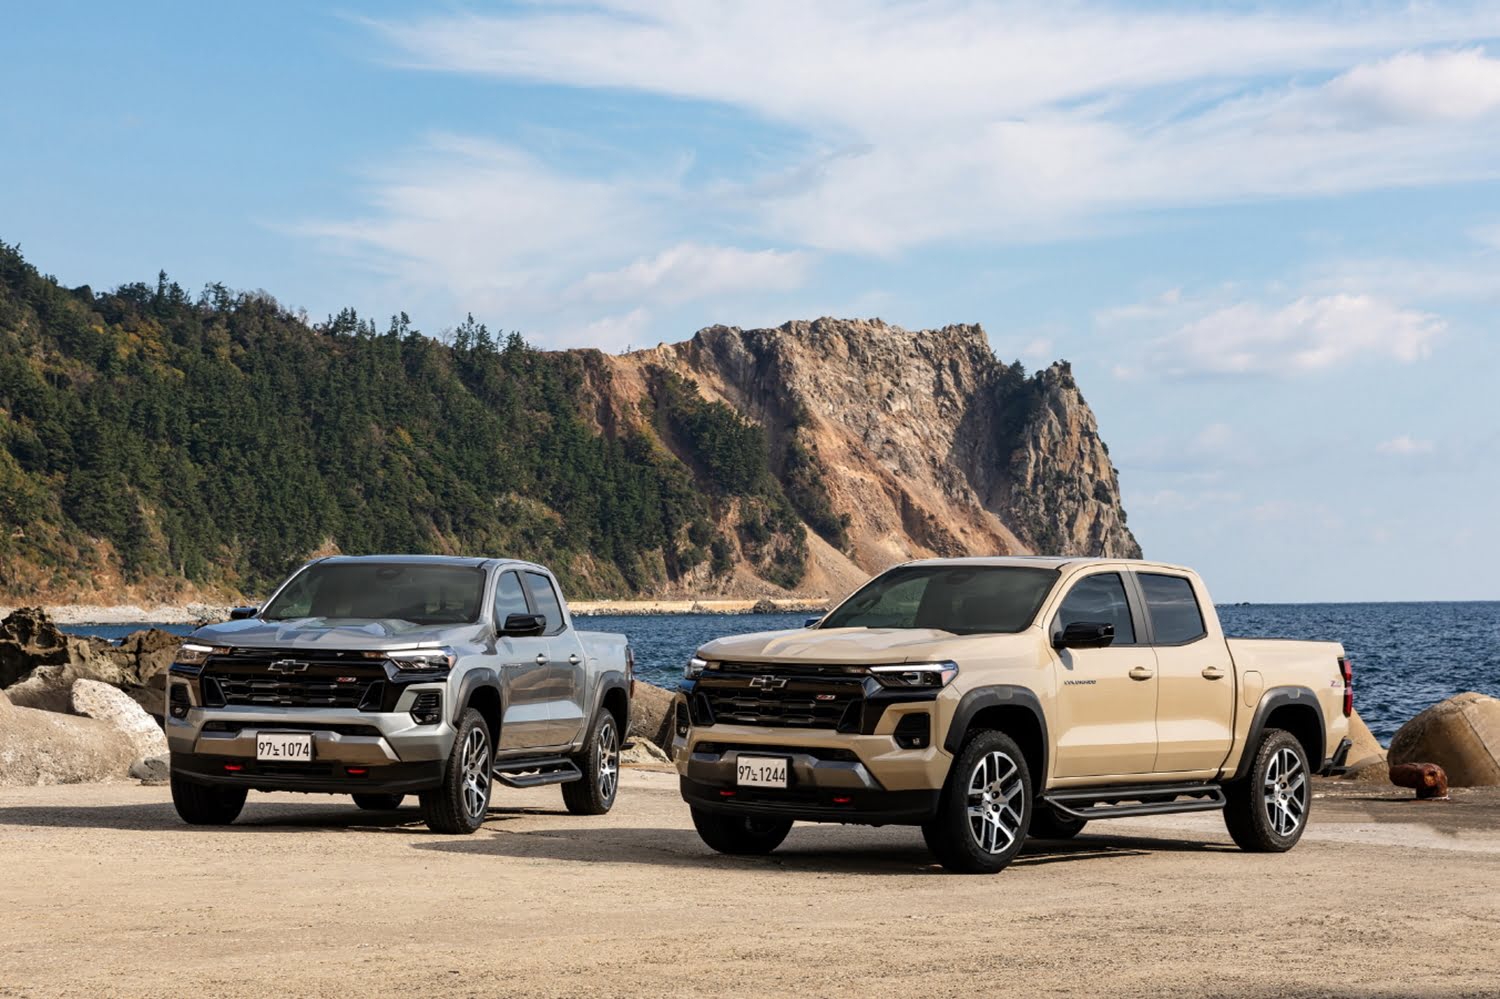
1084	635
523	625
812	622
241	613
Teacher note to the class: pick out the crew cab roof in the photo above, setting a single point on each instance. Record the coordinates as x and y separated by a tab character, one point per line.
1058	562
422	559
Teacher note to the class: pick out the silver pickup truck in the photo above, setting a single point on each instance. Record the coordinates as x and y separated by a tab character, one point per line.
382	676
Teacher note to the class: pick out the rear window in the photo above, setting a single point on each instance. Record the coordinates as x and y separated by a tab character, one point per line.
1175	616
963	600
422	594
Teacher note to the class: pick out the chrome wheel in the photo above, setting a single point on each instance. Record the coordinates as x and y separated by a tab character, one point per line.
1285	792
476	773
607	750
996	806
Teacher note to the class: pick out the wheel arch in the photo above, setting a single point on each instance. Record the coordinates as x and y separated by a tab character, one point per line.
1292	709
480	690
1007	708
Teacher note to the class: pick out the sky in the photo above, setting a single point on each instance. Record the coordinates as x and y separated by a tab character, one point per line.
1266	236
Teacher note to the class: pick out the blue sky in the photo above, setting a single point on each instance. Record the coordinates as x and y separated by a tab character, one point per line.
1267	237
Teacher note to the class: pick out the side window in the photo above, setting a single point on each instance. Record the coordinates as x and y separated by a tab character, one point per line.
508	598
544	598
1099	599
1175	617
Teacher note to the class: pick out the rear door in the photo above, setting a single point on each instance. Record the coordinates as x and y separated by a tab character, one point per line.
1106	698
1195	702
564	684
524	663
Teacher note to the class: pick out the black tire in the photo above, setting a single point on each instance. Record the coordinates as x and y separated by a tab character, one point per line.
206	804
1047	823
1267	812
594	794
991	773
740	835
379	802
460	804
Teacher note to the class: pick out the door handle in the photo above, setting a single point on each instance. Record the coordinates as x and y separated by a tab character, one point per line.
574	660
541	659
1141	673
1212	673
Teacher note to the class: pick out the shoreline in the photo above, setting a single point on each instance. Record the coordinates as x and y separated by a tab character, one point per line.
74	615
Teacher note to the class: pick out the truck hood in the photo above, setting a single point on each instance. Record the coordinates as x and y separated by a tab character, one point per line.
855	646
326	633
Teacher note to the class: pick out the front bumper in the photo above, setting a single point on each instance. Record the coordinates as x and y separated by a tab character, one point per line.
317	777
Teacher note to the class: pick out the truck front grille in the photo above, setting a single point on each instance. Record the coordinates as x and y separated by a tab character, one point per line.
784	700
272	678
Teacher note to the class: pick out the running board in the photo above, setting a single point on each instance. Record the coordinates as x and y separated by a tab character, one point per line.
535	773
1142	799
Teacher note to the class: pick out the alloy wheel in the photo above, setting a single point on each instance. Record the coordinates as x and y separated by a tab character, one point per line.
608	749
995	813
1285	792
476	773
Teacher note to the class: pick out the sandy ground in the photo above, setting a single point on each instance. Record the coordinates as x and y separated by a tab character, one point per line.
104	893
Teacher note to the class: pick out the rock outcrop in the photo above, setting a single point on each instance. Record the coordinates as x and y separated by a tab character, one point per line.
651	714
926	444
113	706
44	747
1461	735
43	663
1366	760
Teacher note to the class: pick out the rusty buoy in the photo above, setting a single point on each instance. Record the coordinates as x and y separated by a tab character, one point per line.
1428	779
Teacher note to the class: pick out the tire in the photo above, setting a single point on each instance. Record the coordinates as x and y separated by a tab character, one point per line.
1268	810
985	809
594	794
459	805
379	802
205	804
1047	823
740	835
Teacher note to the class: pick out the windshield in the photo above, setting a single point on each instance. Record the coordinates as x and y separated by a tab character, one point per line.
381	591
964	600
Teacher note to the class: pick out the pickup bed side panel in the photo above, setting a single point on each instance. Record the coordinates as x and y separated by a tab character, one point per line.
1297	674
605	673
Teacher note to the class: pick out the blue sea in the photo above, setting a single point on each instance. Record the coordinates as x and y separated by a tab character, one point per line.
1407	656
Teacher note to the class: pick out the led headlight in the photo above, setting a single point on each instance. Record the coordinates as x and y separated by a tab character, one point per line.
193	654
915	676
417	660
694	668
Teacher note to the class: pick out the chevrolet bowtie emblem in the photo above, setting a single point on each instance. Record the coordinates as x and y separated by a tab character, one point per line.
769	682
287	666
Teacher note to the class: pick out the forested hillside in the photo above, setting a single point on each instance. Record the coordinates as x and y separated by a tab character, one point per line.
156	444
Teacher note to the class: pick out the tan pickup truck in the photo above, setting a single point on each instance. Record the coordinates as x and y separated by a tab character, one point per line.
988	699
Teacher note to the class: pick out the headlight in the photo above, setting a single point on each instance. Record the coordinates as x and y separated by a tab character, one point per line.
193	654
915	676
695	667
417	659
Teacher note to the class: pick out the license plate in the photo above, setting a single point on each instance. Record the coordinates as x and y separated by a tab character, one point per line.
286	748
760	771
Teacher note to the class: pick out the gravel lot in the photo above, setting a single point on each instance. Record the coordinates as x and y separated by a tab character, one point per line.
105	893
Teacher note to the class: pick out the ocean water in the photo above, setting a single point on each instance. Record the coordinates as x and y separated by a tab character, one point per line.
1407	656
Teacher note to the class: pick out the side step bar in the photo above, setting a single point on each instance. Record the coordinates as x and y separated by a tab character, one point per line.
535	773
1140	799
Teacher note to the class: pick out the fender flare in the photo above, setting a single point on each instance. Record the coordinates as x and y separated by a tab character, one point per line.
611	680
1272	699
482	676
995	696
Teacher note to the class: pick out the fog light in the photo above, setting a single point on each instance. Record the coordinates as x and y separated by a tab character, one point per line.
682	719
913	731
177	701
427	709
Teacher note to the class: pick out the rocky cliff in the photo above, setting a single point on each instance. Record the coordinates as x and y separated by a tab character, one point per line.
922	442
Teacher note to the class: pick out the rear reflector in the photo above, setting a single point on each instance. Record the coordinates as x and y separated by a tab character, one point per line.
726	794
233	768
355	771
842	799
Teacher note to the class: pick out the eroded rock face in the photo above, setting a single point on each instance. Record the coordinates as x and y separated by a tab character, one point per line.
44	747
117	708
651	714
46	663
925	441
1461	735
1366	753
29	639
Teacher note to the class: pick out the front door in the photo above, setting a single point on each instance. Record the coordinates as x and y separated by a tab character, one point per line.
1106	698
525	663
1195	704
564	685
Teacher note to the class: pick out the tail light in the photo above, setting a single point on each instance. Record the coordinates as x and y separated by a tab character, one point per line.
1346	667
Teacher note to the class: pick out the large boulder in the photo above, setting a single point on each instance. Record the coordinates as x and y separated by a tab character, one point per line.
651	713
1366	759
1461	735
109	704
43	747
644	753
29	639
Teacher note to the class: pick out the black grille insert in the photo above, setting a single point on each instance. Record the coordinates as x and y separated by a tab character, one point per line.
275	678
784	700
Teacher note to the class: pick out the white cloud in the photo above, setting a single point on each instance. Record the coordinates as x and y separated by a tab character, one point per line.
1404	445
1307	335
691	270
1421	86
